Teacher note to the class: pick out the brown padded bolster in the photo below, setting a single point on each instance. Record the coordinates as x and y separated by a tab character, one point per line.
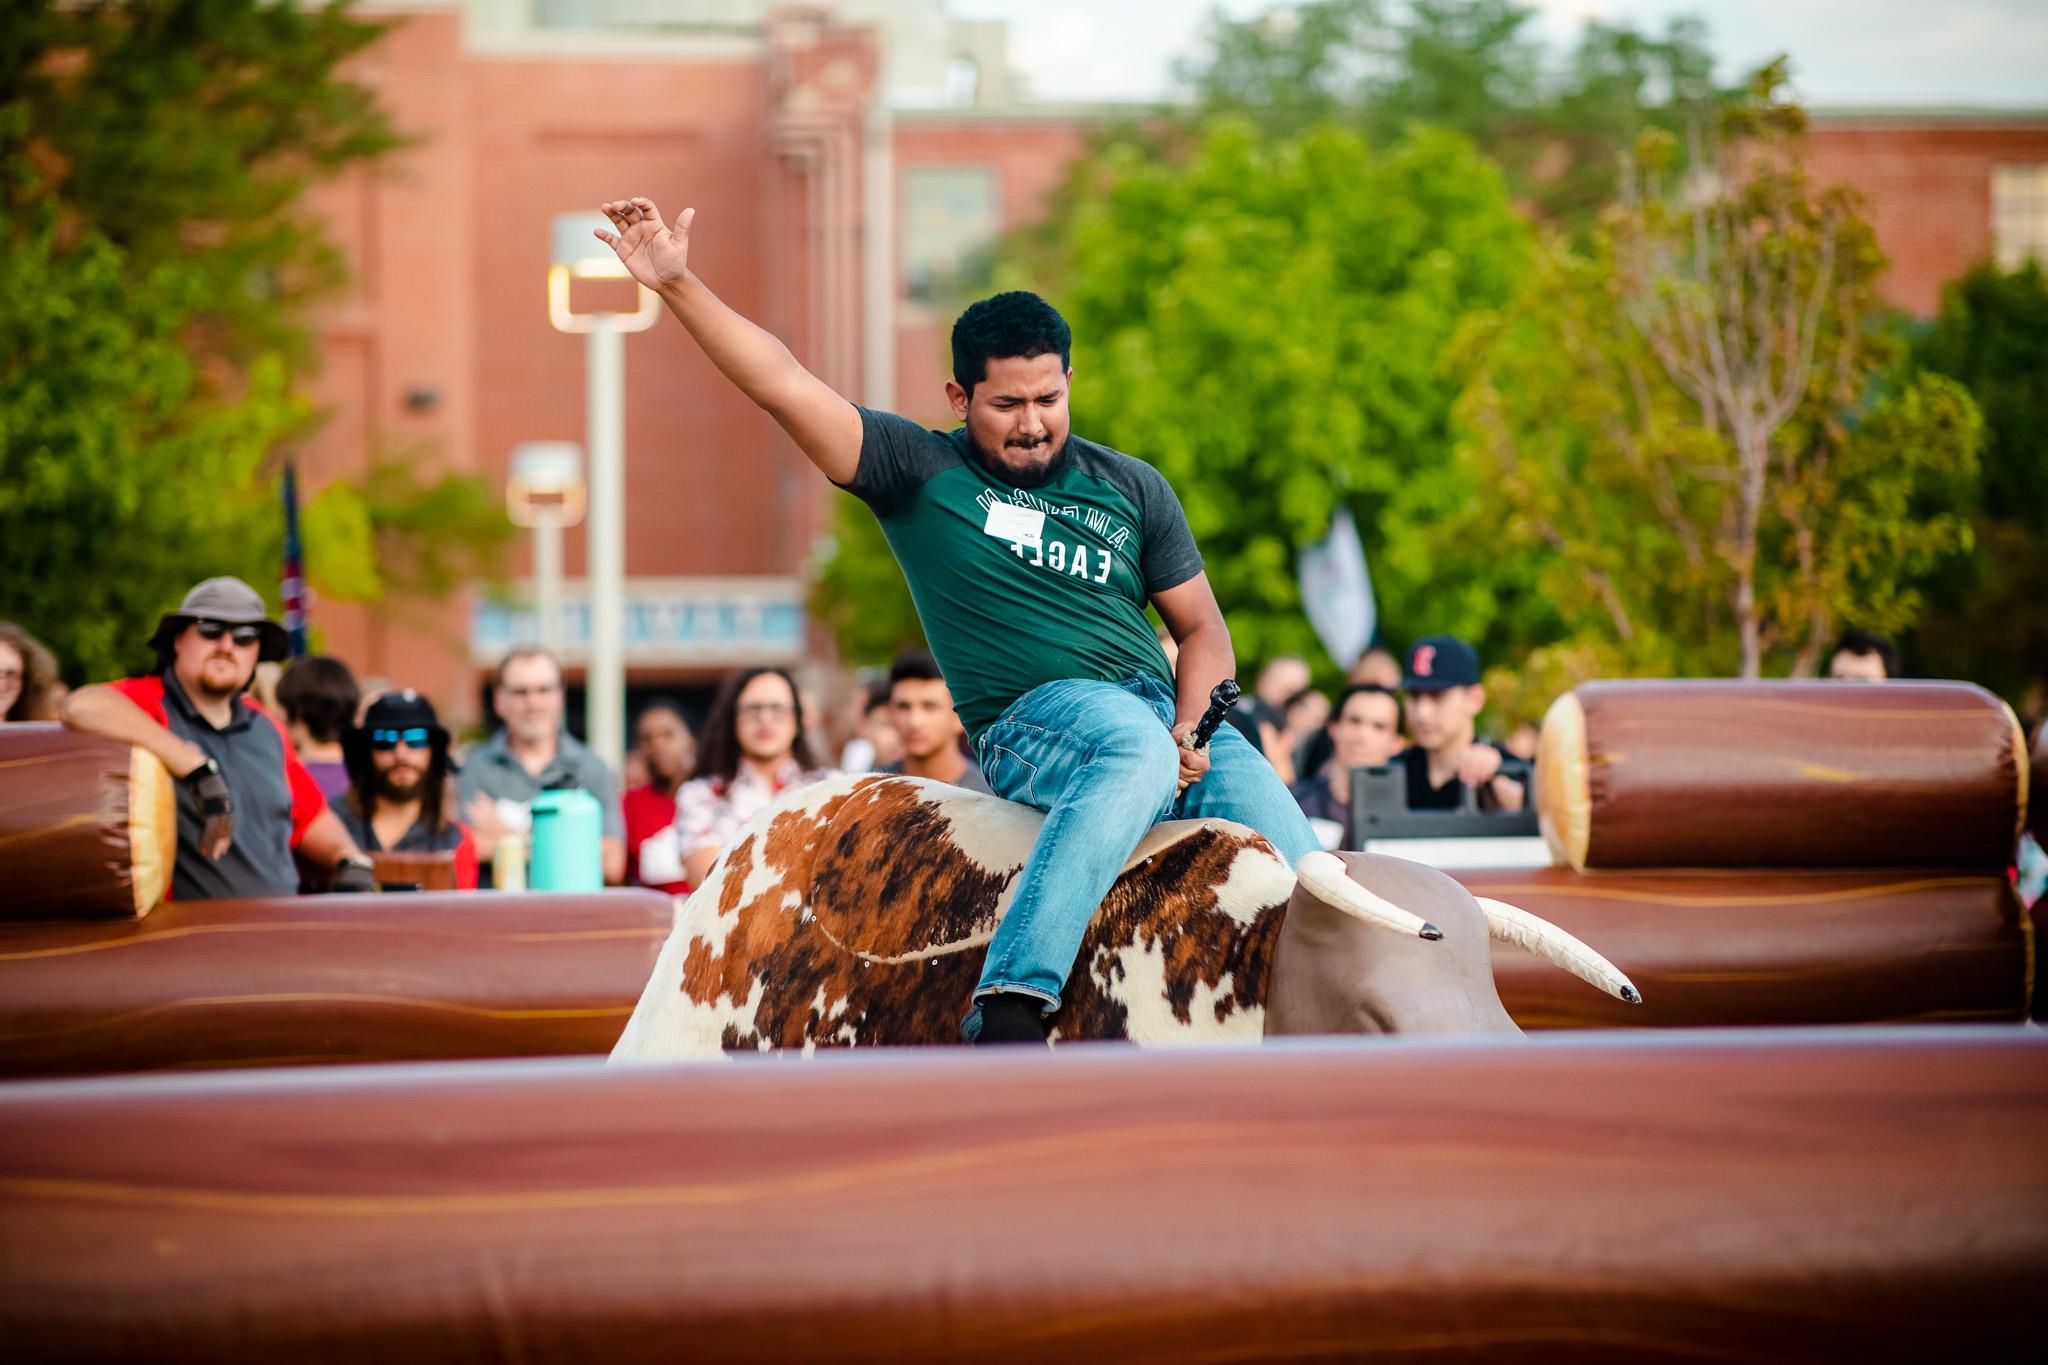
1754	1197
1781	774
88	826
2038	786
1773	947
327	979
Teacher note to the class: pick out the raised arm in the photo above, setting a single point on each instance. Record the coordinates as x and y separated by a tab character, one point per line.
823	424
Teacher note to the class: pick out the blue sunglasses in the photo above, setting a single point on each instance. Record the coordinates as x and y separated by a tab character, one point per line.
415	738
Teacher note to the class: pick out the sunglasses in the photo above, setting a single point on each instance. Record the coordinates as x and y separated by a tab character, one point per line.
415	738
241	635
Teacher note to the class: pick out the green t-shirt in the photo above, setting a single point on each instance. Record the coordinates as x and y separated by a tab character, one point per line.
1020	587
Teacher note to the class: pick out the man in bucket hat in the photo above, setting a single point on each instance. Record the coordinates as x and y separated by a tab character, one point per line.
245	802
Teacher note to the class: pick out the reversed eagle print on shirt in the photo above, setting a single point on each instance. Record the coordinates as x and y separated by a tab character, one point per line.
1027	539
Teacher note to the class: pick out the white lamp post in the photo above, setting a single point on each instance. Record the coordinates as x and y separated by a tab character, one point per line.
577	254
546	492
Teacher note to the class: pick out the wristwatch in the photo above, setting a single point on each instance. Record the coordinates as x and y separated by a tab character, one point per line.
353	872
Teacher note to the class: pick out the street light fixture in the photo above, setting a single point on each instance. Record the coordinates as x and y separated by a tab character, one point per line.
546	492
577	254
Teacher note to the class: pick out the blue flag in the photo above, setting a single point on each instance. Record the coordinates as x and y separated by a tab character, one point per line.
294	565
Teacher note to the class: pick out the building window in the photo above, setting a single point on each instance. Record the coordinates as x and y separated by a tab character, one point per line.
950	219
2019	214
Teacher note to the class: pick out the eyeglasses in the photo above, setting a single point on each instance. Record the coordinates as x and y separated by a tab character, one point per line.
241	635
766	710
10	675
522	693
415	738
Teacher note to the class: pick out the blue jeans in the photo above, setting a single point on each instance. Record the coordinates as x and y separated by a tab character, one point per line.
1099	759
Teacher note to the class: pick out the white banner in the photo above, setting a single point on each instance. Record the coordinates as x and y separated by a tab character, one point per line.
1336	591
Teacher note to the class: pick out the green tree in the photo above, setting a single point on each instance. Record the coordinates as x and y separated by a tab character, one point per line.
187	130
858	591
1265	322
1466	65
1692	427
1560	128
119	472
154	267
1988	614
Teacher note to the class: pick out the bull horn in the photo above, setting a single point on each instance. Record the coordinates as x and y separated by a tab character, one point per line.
1512	924
1325	877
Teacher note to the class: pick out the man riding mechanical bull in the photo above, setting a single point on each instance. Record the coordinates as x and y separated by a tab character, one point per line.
1031	554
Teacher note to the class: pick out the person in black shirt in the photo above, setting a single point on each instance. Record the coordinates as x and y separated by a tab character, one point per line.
1447	765
1365	732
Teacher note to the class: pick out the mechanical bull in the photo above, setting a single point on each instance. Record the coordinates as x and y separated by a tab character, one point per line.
856	911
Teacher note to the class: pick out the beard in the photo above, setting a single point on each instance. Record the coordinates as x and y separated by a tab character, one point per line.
221	679
386	789
1019	467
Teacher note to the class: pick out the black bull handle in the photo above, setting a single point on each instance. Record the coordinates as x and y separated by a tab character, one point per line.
1221	699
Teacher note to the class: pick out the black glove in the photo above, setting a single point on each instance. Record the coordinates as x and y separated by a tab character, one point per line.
353	873
216	806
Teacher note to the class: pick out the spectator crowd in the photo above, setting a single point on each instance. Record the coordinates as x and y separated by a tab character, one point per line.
334	783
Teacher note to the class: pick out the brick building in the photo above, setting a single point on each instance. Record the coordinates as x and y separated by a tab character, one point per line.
843	159
1945	189
785	135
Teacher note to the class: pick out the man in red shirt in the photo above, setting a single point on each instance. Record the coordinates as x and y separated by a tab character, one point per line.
246	804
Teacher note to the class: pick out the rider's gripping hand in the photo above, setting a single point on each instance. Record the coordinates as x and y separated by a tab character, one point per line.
652	253
1193	762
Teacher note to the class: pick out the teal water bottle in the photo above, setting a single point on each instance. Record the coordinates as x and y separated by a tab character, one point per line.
568	854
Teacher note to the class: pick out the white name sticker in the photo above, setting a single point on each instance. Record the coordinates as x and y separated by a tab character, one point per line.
1019	525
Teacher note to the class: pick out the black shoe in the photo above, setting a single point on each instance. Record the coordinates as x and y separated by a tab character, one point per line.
1005	1019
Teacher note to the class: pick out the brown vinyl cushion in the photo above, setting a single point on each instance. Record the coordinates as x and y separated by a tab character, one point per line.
420	871
1770	947
1781	774
328	979
2038	786
88	826
1759	1197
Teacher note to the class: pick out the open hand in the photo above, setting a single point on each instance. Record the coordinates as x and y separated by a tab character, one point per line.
652	253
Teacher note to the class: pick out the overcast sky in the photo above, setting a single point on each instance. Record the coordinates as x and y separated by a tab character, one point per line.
1845	52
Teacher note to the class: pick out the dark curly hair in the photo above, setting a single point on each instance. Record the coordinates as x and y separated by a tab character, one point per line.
38	673
1016	325
1863	642
720	756
320	693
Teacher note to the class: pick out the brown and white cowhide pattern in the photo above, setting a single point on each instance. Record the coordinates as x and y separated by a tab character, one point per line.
856	911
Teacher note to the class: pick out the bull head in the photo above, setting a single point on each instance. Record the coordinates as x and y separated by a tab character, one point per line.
1373	944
